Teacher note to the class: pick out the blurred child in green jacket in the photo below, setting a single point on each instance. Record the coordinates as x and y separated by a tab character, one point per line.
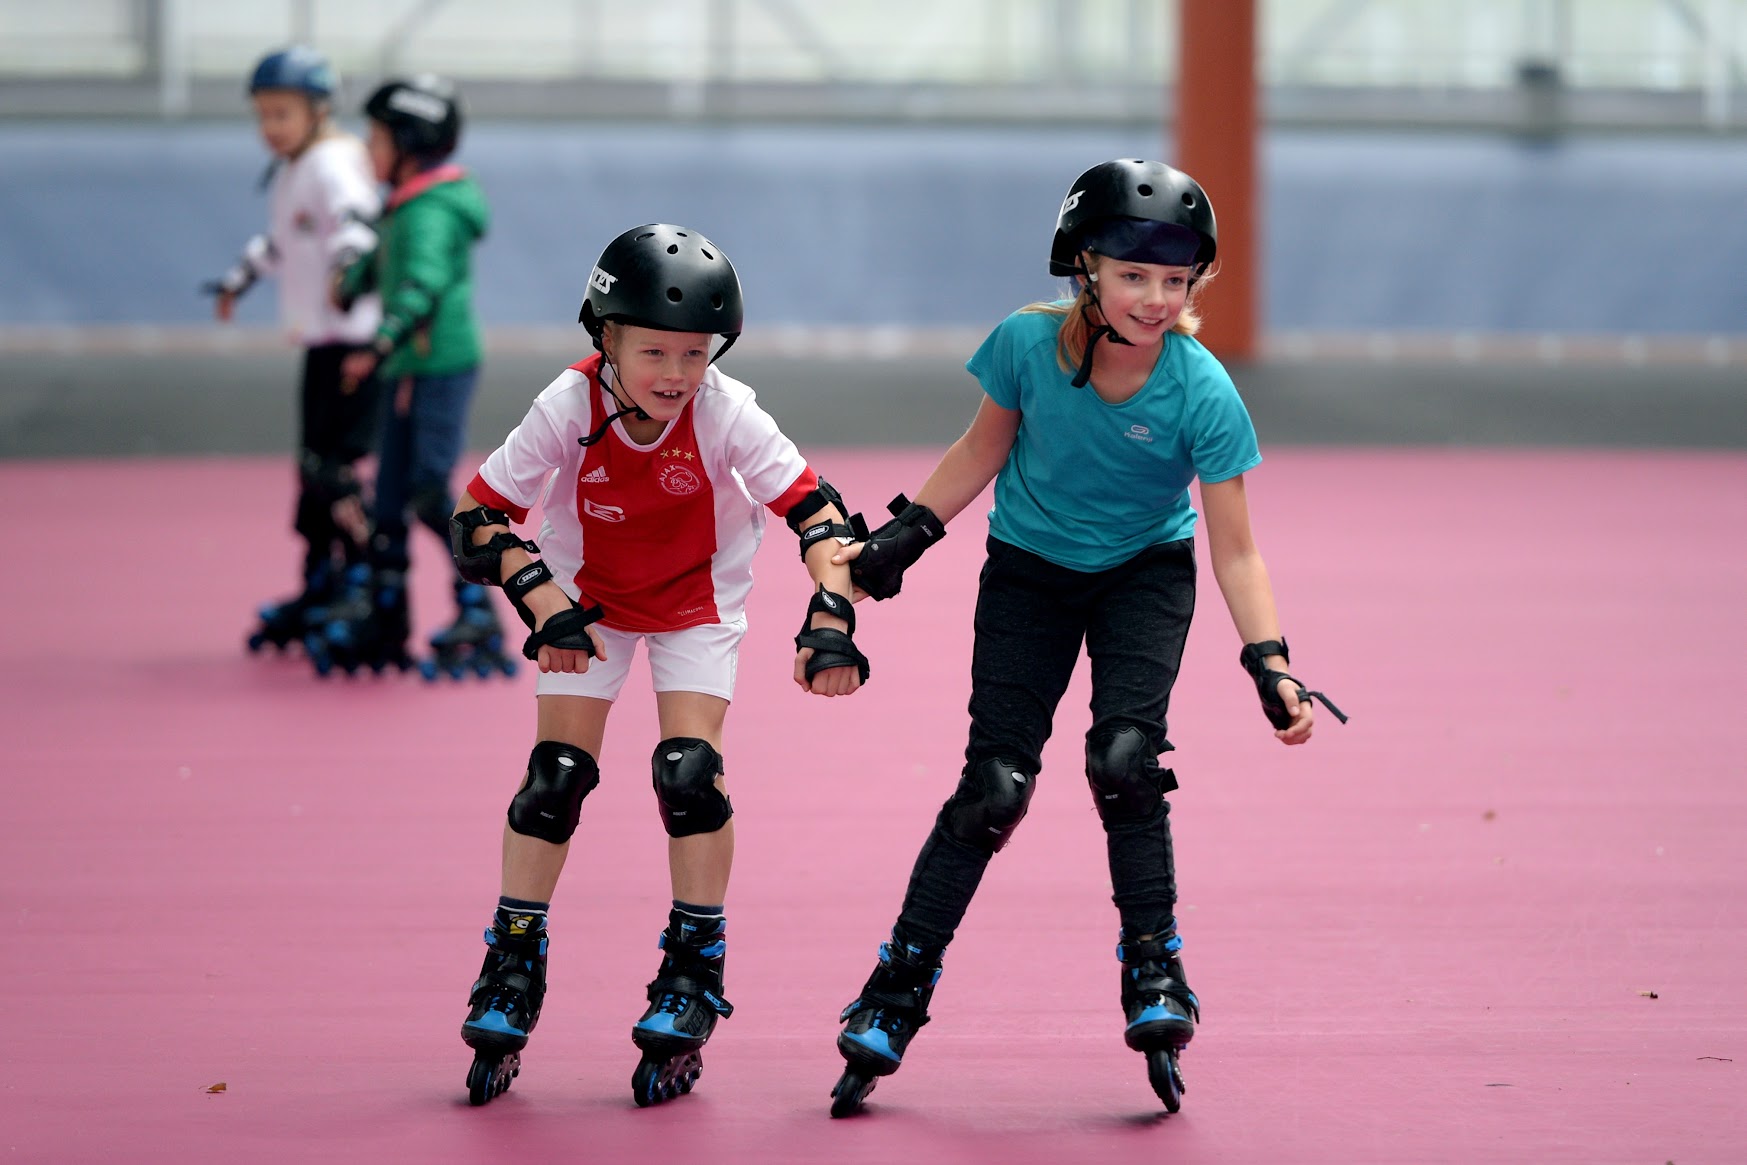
426	352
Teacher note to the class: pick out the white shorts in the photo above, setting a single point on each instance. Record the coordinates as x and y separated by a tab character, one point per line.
697	659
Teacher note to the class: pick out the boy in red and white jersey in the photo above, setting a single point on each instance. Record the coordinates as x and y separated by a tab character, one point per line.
655	469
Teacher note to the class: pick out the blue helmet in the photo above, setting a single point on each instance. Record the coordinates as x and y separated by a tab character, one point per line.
299	68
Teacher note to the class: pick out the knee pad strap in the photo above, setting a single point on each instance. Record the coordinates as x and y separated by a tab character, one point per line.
1124	773
989	804
549	803
685	769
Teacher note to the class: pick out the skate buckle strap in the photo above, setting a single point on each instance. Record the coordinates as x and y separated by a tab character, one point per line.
669	993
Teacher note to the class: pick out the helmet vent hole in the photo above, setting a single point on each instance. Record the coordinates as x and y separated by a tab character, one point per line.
1188	199
681	234
706	252
645	235
716	302
673	248
1146	191
674	294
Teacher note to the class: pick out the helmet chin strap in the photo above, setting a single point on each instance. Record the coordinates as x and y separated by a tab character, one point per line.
625	410
1084	375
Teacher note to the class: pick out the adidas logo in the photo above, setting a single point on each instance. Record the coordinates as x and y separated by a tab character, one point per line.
595	476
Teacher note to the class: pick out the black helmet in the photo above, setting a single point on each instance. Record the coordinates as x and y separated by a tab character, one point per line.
423	115
666	277
1115	203
297	67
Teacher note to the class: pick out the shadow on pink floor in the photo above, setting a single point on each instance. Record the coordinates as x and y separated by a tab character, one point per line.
1496	918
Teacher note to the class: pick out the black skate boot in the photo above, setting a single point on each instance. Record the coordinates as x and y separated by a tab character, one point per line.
473	642
505	1006
1161	1010
367	626
882	1021
685	1000
284	622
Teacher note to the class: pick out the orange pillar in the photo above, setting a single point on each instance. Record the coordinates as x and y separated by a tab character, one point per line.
1216	145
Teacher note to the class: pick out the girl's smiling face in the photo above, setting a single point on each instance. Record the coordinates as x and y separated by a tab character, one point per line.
657	371
1140	300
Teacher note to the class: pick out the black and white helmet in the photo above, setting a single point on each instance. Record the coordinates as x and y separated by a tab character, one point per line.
666	277
1146	212
423	115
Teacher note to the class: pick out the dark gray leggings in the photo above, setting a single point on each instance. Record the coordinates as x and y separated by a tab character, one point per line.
1032	616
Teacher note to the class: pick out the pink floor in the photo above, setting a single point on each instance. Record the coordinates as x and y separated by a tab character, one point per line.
1430	936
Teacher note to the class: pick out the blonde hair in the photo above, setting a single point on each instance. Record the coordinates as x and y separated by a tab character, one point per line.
1077	327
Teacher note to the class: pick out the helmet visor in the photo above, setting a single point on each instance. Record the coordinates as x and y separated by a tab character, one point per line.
1139	240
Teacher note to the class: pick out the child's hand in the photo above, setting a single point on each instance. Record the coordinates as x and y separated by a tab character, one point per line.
833	681
829	681
849	554
546	601
1297	732
356	368
565	659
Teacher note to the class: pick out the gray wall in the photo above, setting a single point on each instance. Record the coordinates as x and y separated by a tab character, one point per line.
932	225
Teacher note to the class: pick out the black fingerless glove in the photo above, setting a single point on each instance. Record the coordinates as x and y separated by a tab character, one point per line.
1253	658
831	647
895	547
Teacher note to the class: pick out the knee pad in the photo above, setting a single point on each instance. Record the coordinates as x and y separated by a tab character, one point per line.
685	770
431	506
988	806
549	803
1124	773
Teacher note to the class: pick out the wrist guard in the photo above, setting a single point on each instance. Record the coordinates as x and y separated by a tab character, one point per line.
566	630
831	647
895	547
1253	657
517	586
815	532
483	564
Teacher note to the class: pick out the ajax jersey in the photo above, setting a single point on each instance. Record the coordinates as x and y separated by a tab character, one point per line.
661	535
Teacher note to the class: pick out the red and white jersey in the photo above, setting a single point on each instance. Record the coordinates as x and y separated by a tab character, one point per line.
660	535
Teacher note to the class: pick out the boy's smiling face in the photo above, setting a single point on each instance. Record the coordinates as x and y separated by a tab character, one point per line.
657	371
288	119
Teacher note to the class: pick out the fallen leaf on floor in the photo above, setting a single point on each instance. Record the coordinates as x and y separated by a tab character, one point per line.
219	1087
1489	815
1649	995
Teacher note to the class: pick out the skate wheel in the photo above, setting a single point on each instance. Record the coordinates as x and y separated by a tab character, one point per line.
850	1091
490	1076
256	642
428	670
657	1080
1165	1074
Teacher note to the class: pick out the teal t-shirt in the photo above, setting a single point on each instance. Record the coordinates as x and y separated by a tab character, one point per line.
1089	485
